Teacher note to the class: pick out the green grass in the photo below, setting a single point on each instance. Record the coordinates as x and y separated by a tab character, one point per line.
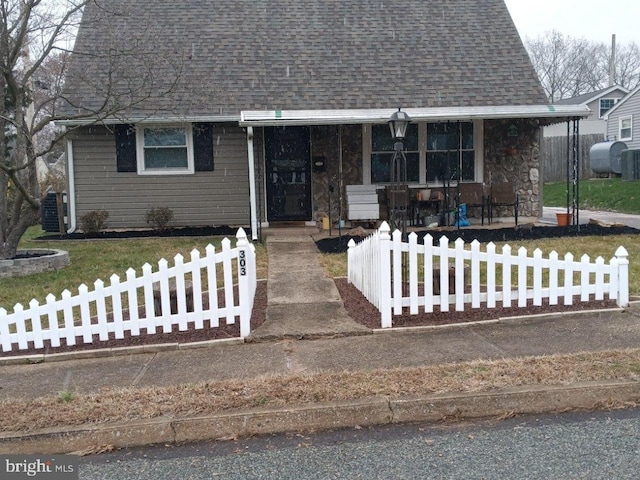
608	194
99	259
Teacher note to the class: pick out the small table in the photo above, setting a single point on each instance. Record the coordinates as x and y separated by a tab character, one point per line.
417	205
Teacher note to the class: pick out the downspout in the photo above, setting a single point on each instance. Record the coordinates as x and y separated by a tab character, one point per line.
71	188
252	185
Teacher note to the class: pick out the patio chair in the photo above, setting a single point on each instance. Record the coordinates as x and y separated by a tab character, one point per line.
473	195
503	195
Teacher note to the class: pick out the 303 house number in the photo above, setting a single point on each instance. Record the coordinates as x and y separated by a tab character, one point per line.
243	263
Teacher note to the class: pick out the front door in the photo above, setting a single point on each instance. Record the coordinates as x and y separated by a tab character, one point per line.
288	175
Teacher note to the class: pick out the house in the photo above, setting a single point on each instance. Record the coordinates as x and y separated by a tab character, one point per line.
592	130
257	112
599	103
622	120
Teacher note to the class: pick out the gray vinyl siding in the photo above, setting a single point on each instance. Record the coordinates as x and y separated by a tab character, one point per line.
631	107
595	105
220	197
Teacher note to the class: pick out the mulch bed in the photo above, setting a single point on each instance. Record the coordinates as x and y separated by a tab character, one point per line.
363	312
486	235
219	231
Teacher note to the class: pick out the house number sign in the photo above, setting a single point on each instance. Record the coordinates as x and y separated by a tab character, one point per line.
243	263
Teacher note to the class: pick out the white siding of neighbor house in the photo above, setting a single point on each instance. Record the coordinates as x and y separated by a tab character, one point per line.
595	105
592	125
631	106
220	197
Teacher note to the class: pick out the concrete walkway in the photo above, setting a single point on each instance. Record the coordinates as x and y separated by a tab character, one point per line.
302	301
549	216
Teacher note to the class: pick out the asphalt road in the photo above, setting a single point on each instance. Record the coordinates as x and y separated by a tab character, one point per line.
597	445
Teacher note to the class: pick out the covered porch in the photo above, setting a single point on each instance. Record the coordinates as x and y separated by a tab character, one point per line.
303	164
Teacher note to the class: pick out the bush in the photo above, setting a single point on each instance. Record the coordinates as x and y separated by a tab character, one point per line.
159	217
94	221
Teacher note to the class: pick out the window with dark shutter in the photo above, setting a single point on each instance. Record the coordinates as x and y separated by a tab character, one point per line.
126	148
203	147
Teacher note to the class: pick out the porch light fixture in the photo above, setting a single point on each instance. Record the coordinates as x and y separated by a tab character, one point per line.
398	124
397	192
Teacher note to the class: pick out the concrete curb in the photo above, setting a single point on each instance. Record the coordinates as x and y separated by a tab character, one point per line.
534	399
116	351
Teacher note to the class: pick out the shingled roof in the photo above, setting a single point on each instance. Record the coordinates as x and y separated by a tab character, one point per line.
205	59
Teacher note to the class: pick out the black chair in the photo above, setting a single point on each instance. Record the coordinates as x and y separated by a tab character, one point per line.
503	195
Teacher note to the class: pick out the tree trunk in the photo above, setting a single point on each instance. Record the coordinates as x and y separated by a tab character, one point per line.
60	209
9	248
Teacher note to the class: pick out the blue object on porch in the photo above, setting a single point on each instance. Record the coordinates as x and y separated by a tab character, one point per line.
462	220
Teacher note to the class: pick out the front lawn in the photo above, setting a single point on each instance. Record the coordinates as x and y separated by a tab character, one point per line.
99	259
608	194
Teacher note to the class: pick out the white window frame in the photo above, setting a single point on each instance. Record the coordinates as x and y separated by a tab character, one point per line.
621	128
614	100
142	170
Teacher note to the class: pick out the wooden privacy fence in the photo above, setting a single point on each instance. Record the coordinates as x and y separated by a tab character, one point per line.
170	296
554	157
387	272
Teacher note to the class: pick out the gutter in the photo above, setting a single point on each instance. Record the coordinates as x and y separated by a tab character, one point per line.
150	120
71	188
428	114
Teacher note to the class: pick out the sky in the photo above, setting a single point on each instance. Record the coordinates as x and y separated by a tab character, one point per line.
594	20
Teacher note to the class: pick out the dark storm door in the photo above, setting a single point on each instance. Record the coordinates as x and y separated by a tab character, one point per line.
288	175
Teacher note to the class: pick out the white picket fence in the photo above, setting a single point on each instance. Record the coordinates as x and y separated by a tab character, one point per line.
376	267
71	317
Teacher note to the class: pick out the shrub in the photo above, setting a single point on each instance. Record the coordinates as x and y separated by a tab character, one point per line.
159	217
94	221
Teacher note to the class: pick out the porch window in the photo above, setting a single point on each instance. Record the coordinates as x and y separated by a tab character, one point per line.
382	153
450	149
165	149
626	128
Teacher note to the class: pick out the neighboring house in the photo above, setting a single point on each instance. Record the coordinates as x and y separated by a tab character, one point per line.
623	120
246	112
599	103
50	164
592	130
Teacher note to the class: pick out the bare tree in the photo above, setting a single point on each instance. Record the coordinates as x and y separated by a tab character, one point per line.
569	66
627	64
34	51
562	64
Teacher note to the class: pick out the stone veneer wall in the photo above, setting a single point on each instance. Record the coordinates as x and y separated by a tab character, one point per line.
514	159
325	141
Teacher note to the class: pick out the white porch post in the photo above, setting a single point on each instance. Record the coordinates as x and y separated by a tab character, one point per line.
252	185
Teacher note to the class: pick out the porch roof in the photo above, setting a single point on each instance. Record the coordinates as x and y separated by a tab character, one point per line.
548	114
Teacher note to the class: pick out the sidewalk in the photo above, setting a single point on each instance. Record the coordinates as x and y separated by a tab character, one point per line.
303	303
